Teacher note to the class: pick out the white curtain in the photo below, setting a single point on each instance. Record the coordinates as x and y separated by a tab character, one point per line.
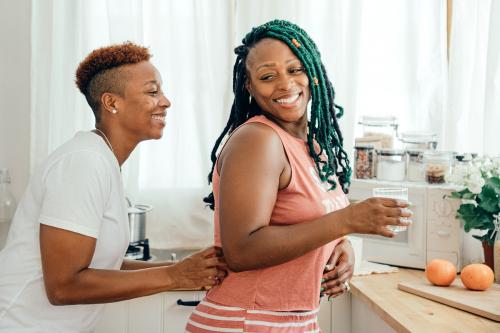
471	121
383	57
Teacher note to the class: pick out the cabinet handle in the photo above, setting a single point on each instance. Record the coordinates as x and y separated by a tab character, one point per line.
187	303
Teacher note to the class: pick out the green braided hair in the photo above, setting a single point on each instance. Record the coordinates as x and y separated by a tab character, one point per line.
323	125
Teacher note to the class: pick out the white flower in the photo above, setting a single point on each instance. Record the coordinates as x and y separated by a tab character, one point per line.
475	183
472	175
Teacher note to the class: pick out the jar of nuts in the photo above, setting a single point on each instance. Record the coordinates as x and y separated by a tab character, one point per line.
364	159
437	166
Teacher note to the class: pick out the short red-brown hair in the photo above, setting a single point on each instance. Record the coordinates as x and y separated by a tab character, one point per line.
100	71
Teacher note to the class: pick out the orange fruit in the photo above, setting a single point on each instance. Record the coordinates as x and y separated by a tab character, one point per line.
440	272
477	277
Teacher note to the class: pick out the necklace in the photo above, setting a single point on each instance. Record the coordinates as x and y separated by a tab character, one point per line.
101	133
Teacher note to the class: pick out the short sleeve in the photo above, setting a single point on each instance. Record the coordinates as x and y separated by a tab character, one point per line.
76	189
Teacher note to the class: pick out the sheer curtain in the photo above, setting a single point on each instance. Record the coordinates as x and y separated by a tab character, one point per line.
387	57
472	118
191	42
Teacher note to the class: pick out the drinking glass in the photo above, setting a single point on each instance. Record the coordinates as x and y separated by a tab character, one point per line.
400	193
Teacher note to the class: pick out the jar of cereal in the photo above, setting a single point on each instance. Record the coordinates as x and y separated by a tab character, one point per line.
437	166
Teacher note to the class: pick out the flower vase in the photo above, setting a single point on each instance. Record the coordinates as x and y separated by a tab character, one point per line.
488	254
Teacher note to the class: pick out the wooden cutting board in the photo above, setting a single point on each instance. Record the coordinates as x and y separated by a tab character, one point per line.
483	303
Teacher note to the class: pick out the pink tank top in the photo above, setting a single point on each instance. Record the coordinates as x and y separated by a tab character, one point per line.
294	285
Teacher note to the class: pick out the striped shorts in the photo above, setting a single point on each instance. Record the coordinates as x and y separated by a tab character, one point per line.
209	317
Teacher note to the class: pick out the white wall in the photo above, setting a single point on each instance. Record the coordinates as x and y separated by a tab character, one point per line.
15	38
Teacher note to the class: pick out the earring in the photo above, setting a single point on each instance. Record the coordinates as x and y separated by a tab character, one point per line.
114	111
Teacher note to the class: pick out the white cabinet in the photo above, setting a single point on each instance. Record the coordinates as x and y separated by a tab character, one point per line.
350	314
114	318
341	314
145	314
157	313
169	312
364	319
175	314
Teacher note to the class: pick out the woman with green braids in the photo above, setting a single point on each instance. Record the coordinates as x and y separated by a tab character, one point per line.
279	186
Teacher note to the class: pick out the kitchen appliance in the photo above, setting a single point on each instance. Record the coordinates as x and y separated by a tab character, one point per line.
435	232
139	245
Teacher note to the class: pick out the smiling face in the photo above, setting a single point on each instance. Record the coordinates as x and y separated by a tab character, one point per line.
141	108
277	81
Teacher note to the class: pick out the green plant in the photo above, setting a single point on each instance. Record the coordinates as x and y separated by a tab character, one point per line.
480	195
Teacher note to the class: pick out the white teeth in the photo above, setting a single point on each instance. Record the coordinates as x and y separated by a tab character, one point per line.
157	117
288	100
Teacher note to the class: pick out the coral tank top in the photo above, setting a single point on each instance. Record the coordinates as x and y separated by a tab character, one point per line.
293	285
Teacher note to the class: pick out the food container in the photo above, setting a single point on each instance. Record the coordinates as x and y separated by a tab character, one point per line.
380	128
391	164
415	170
438	166
364	161
419	140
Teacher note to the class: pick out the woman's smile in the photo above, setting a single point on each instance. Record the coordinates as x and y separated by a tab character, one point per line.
159	118
289	101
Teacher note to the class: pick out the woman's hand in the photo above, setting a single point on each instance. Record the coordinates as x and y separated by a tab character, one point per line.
373	215
338	270
204	268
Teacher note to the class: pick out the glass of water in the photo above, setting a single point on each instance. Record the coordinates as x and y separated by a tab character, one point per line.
400	193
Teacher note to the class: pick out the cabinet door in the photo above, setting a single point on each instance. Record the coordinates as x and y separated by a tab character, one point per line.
114	318
341	314
145	314
325	315
175	315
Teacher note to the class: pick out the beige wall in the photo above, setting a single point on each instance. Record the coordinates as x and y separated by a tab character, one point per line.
15	41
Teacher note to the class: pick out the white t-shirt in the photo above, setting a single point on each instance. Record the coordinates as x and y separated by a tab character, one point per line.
78	188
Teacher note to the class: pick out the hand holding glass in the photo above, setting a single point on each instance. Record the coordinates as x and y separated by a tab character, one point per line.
399	193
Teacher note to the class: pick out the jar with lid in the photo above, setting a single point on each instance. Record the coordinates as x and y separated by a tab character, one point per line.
391	164
384	129
419	140
437	166
464	159
415	171
364	161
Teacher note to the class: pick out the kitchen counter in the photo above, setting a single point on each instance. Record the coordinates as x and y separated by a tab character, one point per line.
405	312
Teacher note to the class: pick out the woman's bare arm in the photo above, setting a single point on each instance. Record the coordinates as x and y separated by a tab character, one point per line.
66	257
251	168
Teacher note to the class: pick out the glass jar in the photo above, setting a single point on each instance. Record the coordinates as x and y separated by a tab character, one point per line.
415	171
384	129
437	166
419	140
364	161
391	164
